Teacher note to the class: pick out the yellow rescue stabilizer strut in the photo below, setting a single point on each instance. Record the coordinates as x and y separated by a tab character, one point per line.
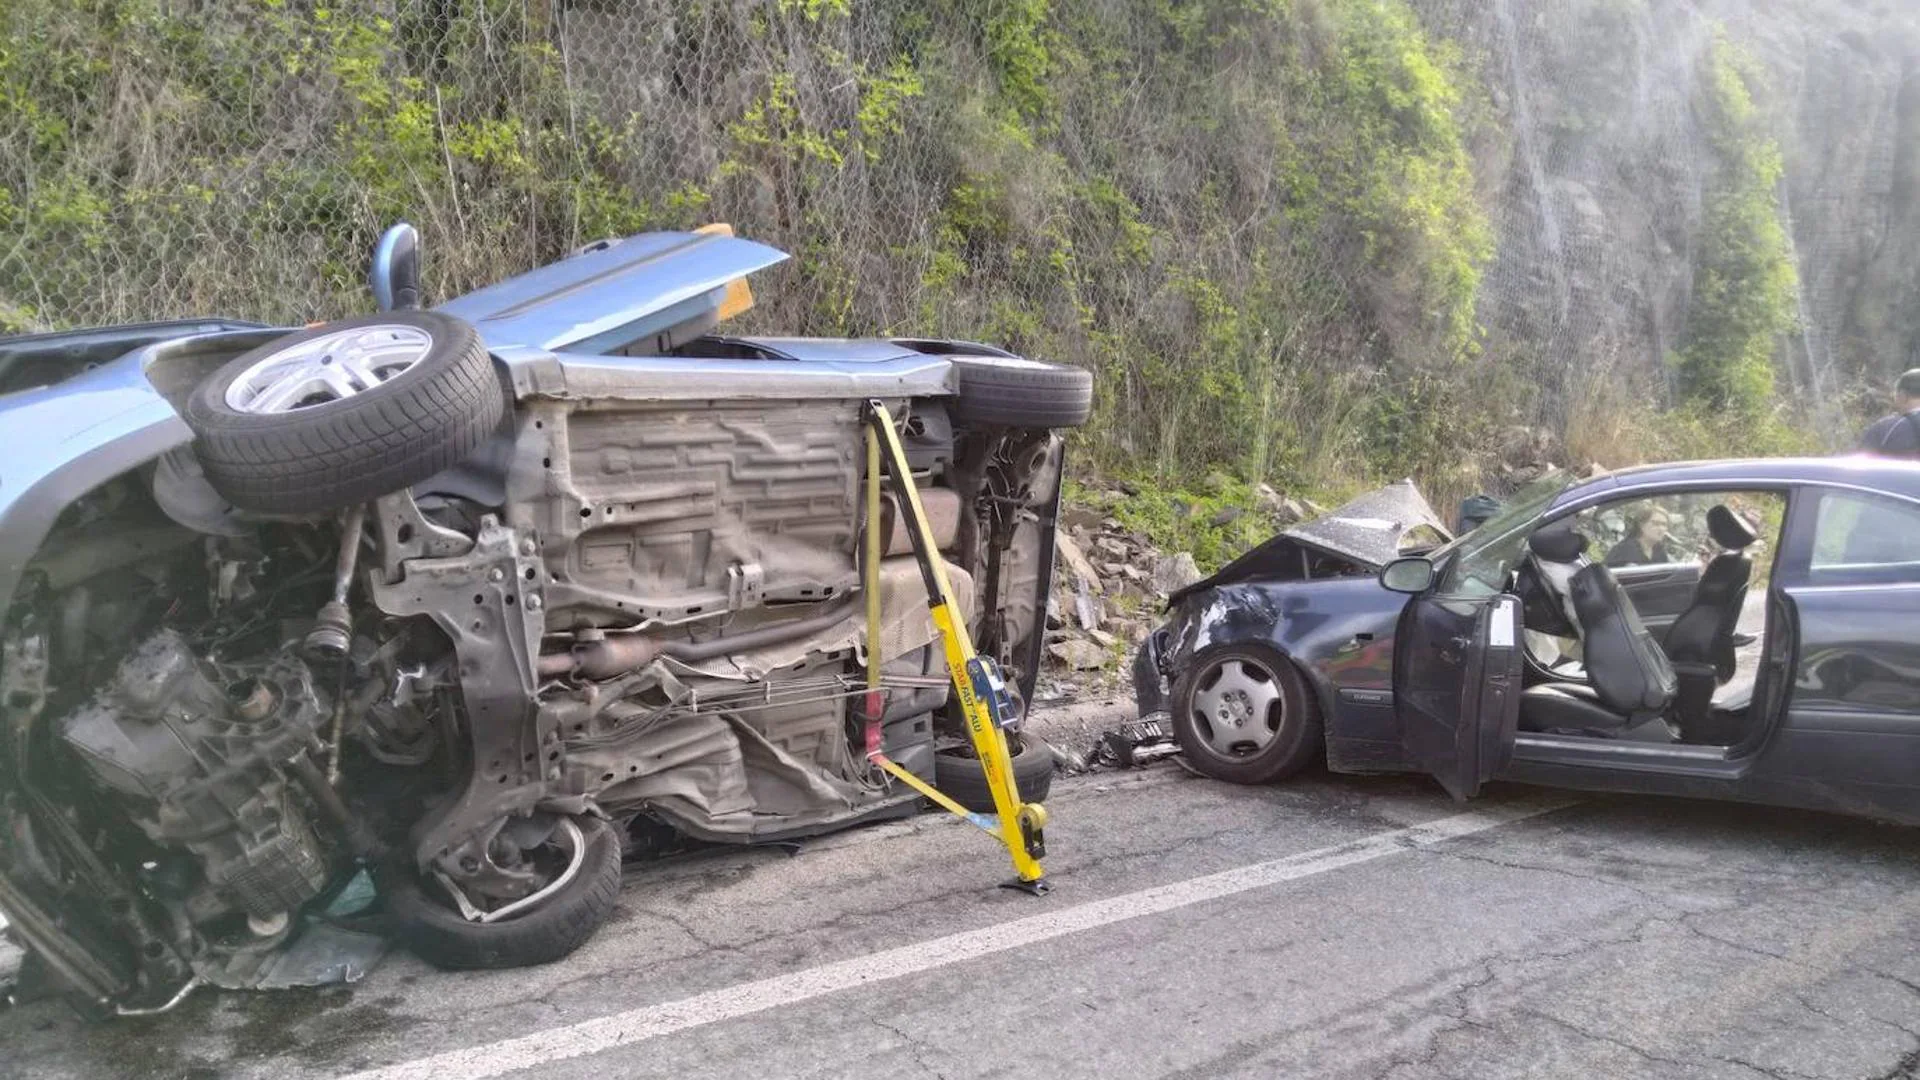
983	697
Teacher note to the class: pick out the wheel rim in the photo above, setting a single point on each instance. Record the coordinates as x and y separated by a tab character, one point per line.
1237	707
575	844
328	368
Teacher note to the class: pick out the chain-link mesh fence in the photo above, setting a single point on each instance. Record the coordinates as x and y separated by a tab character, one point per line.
239	157
1266	225
1006	169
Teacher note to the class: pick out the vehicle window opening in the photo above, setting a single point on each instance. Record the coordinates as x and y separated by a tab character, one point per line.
1670	593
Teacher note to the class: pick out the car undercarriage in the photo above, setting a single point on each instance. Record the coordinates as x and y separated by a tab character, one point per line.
621	614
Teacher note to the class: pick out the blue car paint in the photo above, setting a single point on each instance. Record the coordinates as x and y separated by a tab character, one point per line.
63	440
601	300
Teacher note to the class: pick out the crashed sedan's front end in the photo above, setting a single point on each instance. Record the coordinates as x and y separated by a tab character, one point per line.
248	678
1290	646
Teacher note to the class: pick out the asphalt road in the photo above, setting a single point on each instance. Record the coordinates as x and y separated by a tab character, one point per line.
1329	927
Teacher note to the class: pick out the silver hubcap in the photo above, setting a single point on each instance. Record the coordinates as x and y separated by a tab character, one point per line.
1237	708
331	367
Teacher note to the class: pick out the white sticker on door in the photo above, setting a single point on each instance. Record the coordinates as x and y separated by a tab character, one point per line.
1501	636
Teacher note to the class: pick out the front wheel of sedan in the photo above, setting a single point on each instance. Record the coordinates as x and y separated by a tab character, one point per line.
1244	714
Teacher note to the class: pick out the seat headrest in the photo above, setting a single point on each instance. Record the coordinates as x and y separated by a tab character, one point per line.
1559	544
1728	529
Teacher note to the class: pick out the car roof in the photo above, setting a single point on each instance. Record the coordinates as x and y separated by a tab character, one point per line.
1891	475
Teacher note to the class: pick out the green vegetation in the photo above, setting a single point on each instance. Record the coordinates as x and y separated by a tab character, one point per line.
1744	282
1216	520
1256	221
1280	254
168	161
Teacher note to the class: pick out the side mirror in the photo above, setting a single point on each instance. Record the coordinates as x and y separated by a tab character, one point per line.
395	276
1412	575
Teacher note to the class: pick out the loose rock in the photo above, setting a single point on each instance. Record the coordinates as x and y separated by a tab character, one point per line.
1081	517
1077	563
1176	572
1087	608
1079	655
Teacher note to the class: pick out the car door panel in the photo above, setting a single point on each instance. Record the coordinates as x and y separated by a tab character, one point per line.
1495	693
1457	687
1660	591
1854	706
1849	729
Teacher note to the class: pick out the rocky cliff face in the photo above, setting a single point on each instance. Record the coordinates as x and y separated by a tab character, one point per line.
1597	175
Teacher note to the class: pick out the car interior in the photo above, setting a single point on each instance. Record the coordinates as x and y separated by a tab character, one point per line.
1658	637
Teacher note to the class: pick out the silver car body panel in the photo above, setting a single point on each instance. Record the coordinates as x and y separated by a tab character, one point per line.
66	439
538	373
603	299
63	441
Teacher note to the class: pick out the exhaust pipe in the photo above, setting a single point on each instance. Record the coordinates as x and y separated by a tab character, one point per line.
621	653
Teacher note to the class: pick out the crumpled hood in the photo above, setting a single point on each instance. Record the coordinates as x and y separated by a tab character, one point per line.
1370	528
1367	531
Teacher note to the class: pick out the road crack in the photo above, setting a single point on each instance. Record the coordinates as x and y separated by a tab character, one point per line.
913	1046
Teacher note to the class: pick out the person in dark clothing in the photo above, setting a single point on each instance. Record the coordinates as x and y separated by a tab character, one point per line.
1898	435
1646	540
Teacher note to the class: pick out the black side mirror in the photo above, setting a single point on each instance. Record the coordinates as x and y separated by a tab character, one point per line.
395	276
1410	575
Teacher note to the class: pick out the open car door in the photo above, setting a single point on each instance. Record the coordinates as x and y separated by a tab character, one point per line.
1457	682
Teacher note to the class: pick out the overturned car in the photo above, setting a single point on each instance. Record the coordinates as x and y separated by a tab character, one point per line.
479	599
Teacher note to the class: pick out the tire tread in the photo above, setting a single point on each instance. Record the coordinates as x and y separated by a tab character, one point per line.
392	437
437	934
1287	756
960	777
997	395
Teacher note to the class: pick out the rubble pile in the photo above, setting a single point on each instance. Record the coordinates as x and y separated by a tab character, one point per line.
1111	586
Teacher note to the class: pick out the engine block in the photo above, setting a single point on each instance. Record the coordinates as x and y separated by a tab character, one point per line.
198	755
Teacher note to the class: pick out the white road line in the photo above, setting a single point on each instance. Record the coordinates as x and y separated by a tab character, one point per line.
654	1021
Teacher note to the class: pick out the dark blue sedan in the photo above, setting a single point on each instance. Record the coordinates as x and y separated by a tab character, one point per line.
1743	630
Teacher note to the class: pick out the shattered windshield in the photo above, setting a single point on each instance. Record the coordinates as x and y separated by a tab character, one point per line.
1478	563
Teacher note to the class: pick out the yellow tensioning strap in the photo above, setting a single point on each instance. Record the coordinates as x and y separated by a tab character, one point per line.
1018	824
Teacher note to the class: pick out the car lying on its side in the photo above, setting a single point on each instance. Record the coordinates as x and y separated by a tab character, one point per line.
1768	650
481	598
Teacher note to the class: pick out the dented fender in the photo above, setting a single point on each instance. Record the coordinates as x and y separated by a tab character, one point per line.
1338	633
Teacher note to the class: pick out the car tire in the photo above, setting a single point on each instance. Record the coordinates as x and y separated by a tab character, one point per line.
438	934
958	775
1013	392
430	398
1227	678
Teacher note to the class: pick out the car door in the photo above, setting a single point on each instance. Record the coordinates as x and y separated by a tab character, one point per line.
1457	682
1852	583
1659	591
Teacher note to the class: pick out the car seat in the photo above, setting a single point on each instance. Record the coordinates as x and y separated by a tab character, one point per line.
1555	555
1629	681
1700	643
